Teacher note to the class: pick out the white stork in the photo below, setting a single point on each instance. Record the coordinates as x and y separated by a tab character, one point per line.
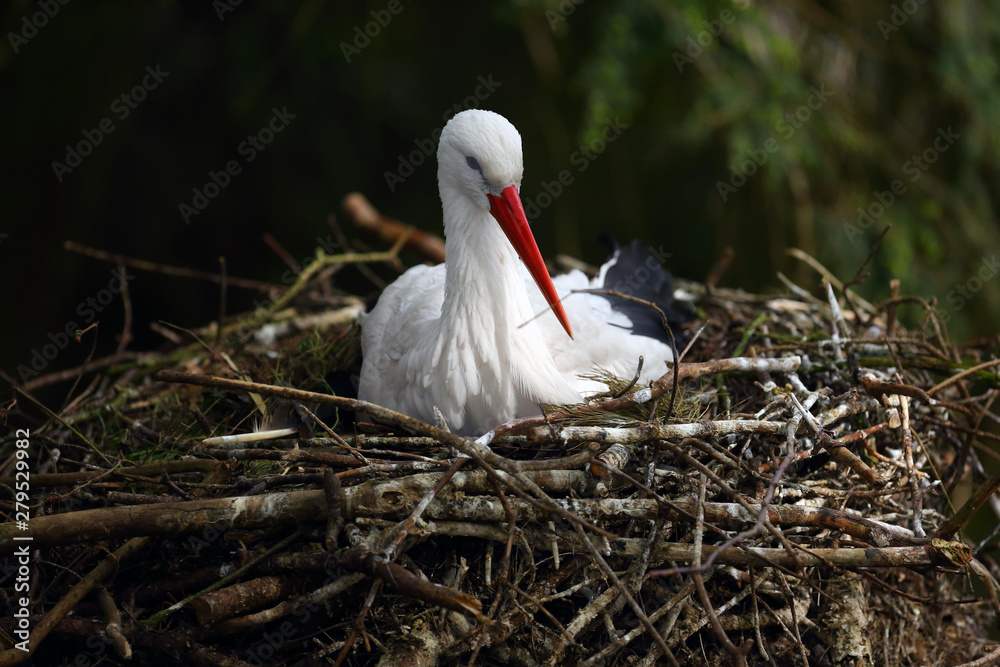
483	337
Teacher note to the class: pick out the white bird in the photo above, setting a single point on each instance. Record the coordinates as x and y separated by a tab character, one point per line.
483	337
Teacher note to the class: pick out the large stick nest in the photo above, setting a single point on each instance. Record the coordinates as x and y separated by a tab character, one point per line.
793	493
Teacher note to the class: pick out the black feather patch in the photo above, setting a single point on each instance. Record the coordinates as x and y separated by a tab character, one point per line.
635	271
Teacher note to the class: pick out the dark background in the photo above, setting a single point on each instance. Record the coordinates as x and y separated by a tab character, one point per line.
701	86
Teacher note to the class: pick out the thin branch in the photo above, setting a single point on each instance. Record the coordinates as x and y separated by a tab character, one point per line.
167	269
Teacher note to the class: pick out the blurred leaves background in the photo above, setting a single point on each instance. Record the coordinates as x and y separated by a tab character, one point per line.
700	88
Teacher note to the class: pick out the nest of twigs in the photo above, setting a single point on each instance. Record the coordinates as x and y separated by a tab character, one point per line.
794	492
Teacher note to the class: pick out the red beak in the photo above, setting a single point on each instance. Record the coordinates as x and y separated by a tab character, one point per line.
509	212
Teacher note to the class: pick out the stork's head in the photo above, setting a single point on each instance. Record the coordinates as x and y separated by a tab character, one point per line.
479	159
480	153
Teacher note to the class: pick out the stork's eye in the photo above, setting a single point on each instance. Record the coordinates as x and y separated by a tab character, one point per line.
474	164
